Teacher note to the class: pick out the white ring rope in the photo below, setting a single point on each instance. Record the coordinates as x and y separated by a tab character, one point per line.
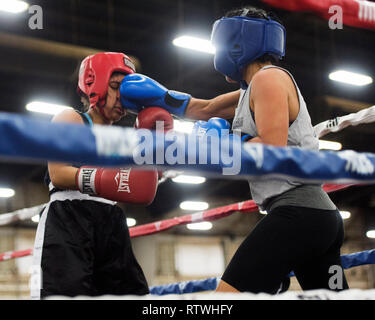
20	215
337	124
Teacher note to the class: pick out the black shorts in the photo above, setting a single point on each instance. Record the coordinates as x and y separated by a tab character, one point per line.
304	240
83	248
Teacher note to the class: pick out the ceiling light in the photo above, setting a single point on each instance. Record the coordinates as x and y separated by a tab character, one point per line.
45	107
194	43
329	145
183	126
6	193
189	179
205	225
194	205
370	234
345	214
263	212
131	222
13	6
35	218
355	79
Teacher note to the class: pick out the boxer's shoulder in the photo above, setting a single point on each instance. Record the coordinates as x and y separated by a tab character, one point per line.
68	115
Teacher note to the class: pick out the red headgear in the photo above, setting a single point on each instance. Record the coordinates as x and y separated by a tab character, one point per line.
95	72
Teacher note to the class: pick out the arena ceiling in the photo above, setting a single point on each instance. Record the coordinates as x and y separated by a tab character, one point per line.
42	64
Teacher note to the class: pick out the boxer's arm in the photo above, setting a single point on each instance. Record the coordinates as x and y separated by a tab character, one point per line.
139	91
222	106
269	96
63	175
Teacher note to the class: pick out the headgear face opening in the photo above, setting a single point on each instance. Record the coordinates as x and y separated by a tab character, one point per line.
95	72
240	40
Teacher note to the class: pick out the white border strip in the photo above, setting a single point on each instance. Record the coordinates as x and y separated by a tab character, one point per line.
36	275
323	294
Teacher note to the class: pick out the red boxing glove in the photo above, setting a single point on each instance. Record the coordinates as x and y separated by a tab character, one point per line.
118	184
147	119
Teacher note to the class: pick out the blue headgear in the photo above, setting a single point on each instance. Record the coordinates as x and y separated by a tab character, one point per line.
240	40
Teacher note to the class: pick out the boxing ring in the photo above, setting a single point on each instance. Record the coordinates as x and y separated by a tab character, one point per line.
30	140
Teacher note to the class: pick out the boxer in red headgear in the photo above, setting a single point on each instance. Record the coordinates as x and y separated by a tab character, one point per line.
97	73
82	244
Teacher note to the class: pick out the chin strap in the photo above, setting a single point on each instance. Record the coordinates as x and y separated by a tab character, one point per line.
100	109
97	104
103	115
243	85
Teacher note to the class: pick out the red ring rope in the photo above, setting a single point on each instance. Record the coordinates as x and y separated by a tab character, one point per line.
208	215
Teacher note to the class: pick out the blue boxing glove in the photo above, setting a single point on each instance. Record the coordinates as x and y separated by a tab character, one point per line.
202	127
221	126
138	91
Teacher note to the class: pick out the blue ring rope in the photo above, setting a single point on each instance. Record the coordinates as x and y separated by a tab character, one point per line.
348	261
24	138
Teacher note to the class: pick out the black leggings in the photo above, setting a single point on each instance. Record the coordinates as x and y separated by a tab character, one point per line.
304	240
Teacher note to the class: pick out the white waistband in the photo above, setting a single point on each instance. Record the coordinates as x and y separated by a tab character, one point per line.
76	195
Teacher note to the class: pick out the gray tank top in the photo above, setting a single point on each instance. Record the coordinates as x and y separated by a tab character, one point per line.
272	193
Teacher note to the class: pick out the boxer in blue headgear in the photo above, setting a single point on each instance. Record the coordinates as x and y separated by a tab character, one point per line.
303	230
240	40
243	37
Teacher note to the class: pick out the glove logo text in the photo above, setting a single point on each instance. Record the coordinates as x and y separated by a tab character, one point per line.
122	180
86	181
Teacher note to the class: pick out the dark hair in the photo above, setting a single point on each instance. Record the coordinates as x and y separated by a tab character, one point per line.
85	103
254	12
